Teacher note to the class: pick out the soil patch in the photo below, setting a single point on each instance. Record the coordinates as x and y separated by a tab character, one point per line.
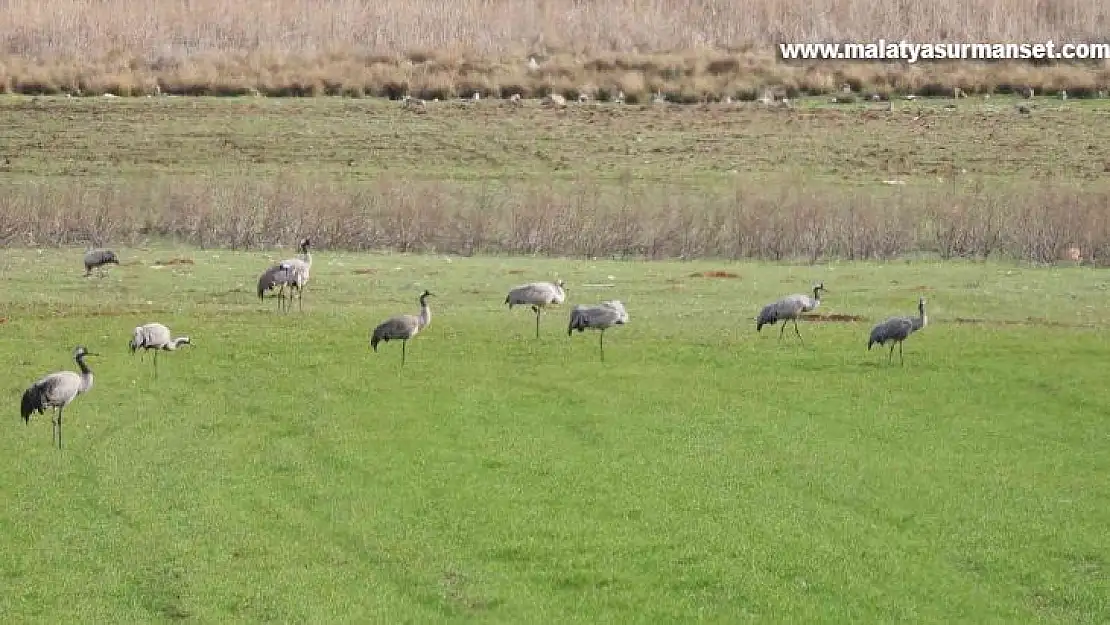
1028	321
713	274
833	318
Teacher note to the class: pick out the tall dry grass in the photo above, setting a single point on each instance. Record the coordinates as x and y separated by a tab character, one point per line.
807	221
700	47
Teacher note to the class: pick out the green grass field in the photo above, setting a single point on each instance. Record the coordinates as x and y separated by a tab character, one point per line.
280	471
358	140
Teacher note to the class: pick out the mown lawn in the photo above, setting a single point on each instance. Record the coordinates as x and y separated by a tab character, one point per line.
279	470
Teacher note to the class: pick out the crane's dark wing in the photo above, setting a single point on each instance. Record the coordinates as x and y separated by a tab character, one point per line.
37	395
271	278
32	401
579	320
767	316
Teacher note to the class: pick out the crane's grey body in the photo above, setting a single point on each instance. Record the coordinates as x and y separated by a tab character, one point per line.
601	317
157	337
538	295
896	330
97	259
57	390
292	272
789	308
403	327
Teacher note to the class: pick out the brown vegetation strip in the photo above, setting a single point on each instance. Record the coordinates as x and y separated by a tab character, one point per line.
689	50
689	78
1028	321
834	318
714	274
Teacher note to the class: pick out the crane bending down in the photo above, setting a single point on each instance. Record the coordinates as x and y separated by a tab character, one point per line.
96	259
538	295
293	272
600	318
896	330
403	327
157	337
57	390
789	308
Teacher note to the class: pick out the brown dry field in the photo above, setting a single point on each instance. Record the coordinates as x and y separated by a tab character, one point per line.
973	179
690	50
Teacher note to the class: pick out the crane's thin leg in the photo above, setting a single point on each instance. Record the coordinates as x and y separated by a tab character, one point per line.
403	344
601	344
890	357
782	330
537	323
300	299
900	356
797	332
59	426
155	364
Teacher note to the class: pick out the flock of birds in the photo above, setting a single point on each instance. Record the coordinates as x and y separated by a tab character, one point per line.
57	390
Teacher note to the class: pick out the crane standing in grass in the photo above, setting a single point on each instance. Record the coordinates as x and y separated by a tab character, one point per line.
57	390
157	337
96	259
896	330
403	327
298	271
600	317
538	295
789	308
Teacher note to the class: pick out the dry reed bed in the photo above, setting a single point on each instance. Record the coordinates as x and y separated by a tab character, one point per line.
803	221
691	77
436	49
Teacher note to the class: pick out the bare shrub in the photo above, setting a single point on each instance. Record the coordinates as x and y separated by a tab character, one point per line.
804	221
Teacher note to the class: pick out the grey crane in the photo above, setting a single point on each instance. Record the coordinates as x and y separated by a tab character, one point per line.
157	337
896	330
789	308
56	390
601	317
292	272
96	259
299	270
538	295
403	327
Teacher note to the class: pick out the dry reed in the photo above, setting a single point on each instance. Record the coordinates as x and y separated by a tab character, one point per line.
692	49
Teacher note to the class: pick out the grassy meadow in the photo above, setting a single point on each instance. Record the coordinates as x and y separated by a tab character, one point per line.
278	470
